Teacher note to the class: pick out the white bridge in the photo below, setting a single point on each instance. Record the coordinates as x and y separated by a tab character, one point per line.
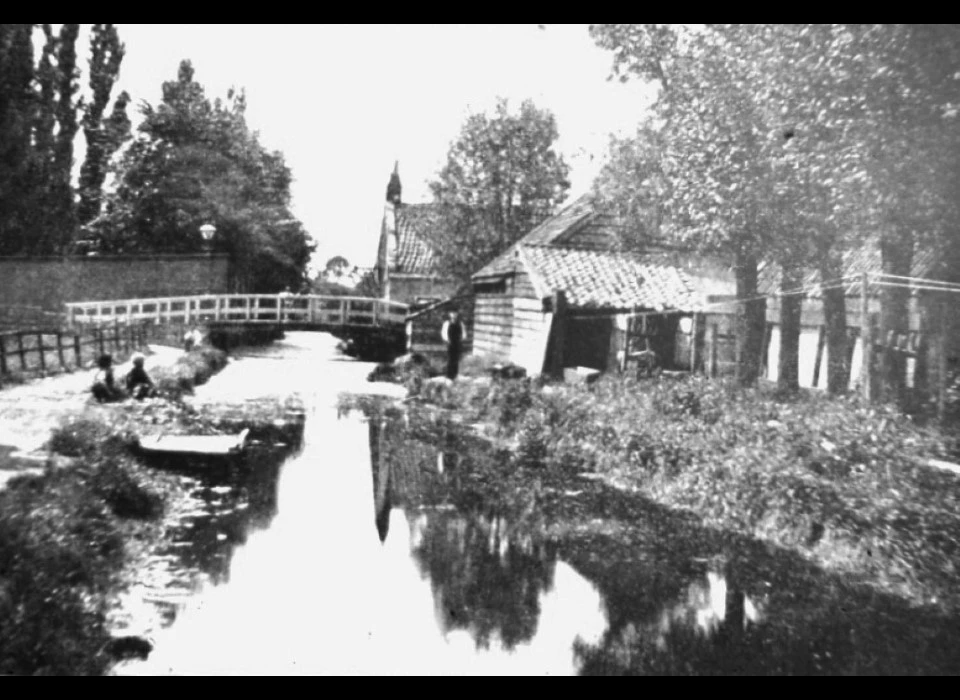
296	312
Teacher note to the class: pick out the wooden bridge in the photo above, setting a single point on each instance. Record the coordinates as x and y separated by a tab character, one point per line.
369	323
292	311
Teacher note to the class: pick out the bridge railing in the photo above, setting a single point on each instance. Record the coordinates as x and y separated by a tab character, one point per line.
242	308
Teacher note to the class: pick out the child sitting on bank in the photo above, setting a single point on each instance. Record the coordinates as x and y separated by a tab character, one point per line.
139	384
105	388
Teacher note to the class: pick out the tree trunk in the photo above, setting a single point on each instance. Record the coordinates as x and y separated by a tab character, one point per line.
788	374
896	249
835	321
751	319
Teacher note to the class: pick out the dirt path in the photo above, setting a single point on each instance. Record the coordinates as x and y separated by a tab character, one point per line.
29	412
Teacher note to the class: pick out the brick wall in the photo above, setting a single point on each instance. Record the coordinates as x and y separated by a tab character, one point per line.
51	282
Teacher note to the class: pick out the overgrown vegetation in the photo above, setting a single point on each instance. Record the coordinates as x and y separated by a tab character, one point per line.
845	482
189	371
63	539
66	534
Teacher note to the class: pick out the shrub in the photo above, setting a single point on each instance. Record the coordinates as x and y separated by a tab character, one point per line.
125	493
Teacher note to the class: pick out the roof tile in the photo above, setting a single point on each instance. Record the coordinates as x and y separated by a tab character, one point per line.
596	279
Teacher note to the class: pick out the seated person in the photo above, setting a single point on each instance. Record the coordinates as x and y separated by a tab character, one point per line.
105	388
192	339
139	384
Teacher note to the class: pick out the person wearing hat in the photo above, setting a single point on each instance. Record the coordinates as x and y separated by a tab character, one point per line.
139	384
105	388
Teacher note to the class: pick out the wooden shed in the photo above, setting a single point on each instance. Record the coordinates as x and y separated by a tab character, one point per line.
571	261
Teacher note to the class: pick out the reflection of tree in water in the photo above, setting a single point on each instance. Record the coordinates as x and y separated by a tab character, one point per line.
485	579
709	630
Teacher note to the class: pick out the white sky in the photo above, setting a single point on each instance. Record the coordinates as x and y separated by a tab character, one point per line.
343	102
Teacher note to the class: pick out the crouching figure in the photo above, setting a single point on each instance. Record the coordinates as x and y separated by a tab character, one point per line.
139	384
105	389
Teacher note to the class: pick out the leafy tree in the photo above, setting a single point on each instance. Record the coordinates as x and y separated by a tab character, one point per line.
797	142
39	111
196	162
103	135
501	178
714	154
16	122
61	213
633	183
336	267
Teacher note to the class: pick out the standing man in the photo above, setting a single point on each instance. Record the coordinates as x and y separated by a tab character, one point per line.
454	334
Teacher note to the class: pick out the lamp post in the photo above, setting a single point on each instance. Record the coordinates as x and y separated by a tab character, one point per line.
208	231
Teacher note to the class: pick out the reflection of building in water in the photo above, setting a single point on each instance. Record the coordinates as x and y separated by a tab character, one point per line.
710	607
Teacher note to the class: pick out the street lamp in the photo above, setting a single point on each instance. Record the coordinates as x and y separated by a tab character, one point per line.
208	231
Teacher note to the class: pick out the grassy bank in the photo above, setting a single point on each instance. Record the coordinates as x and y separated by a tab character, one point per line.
64	537
67	534
842	483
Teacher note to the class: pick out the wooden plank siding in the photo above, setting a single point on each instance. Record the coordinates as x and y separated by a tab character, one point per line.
493	325
531	330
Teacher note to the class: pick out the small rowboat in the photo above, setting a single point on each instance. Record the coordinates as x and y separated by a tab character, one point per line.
194	445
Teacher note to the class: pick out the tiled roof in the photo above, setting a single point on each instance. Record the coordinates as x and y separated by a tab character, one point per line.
594	279
548	231
418	225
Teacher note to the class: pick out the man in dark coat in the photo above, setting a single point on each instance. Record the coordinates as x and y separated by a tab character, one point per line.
454	335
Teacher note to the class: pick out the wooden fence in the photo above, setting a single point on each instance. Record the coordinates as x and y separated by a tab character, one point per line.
40	351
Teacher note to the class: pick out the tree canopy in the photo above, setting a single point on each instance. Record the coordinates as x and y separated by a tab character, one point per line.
793	143
501	178
196	162
40	114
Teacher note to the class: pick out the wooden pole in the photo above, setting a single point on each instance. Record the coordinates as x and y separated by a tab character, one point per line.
818	358
714	340
866	339
23	357
558	332
693	344
942	362
99	332
3	355
765	352
43	358
63	363
76	350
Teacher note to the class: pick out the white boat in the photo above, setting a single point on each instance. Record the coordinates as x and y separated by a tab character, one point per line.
203	445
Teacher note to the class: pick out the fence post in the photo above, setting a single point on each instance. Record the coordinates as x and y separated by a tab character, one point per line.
3	355
63	364
43	358
23	358
76	350
99	332
866	339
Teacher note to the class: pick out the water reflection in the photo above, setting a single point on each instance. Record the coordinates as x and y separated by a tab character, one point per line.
387	556
483	580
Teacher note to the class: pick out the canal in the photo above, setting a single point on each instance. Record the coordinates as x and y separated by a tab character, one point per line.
375	549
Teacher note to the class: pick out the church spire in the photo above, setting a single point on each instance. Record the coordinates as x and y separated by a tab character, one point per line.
393	189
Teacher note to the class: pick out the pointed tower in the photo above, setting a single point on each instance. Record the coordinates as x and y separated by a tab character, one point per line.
387	255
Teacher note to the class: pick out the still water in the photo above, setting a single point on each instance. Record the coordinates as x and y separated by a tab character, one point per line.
357	555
